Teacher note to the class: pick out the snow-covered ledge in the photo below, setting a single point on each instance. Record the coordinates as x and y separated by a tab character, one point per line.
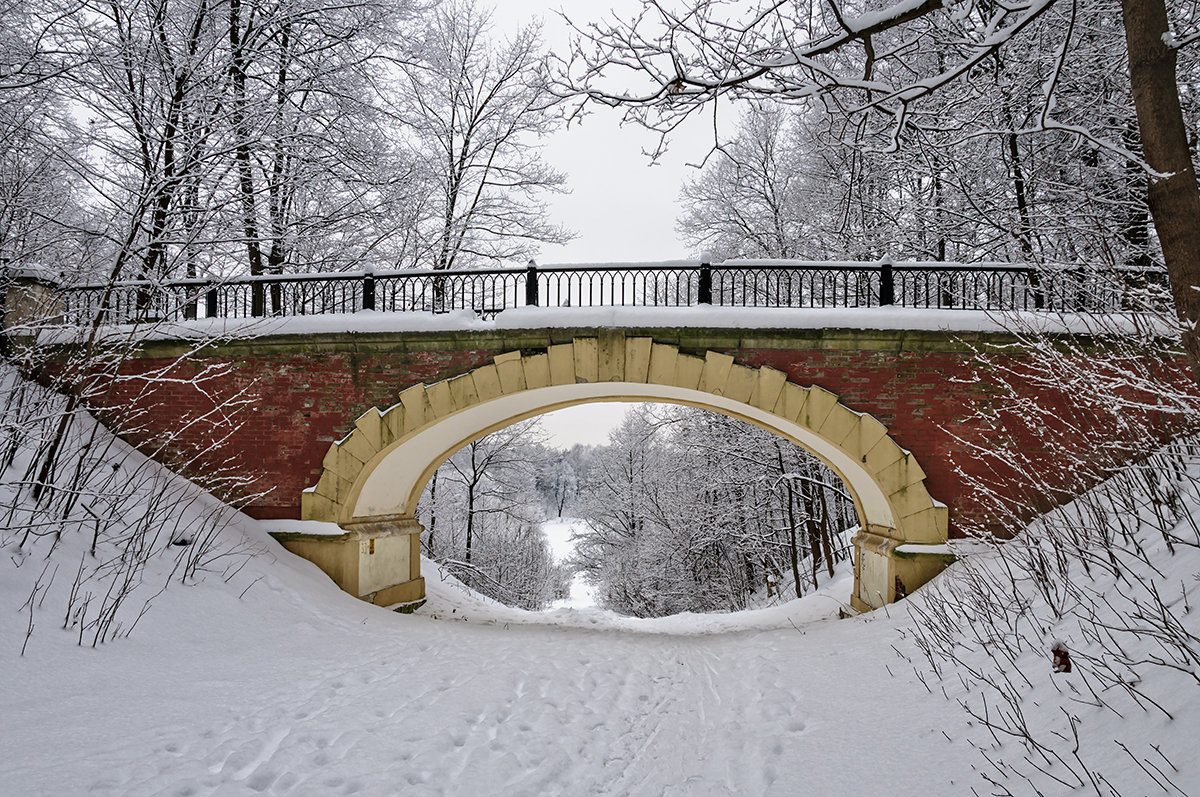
703	316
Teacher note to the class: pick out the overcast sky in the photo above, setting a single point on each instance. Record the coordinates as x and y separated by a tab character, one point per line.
622	206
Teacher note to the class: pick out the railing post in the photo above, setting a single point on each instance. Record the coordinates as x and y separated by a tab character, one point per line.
30	298
1035	282
368	290
887	282
531	284
210	302
704	290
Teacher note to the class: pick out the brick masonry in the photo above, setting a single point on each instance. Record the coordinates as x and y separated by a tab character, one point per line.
300	393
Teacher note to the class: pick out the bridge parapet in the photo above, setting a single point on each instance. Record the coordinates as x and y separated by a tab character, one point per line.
682	283
30	298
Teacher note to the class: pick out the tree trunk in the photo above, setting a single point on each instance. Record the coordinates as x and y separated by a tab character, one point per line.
429	539
242	155
470	519
476	476
1173	197
814	533
791	515
826	533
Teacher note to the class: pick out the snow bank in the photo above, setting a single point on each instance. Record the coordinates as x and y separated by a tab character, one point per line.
1075	648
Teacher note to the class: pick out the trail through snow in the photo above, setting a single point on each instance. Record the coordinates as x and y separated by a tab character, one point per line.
272	681
298	688
559	534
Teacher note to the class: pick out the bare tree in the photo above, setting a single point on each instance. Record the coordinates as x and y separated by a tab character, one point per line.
882	69
102	152
754	200
317	170
37	188
482	518
476	110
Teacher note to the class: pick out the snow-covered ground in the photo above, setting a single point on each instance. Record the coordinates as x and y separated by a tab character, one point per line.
297	688
273	681
559	533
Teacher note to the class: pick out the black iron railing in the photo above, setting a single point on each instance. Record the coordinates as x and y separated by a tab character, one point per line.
737	283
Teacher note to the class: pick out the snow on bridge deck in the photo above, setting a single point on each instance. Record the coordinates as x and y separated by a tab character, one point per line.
864	318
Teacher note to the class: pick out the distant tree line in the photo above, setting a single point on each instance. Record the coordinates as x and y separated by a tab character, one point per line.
692	511
682	510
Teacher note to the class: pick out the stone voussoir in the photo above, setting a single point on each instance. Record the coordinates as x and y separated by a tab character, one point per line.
616	358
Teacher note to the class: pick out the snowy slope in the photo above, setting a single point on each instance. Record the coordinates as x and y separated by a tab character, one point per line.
298	688
275	682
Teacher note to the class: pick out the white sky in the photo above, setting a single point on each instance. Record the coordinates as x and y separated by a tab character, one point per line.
622	206
587	424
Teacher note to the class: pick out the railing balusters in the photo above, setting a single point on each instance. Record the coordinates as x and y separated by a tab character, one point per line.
993	287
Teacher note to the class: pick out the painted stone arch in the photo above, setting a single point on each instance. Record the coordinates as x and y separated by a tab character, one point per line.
373	477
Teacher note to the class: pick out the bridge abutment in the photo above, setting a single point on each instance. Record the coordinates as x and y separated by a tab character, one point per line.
887	569
377	560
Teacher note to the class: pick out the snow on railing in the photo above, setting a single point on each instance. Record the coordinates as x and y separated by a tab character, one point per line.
736	283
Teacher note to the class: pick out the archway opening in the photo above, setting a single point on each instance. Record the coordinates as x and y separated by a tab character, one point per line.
644	509
372	478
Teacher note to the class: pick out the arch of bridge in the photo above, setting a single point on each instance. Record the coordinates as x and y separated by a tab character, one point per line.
377	472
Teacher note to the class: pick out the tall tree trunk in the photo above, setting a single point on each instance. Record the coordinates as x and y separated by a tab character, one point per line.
471	485
791	515
826	532
237	77
1174	197
1025	230
814	533
470	519
280	185
429	539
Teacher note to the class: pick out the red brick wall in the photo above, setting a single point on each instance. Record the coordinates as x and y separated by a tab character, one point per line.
282	412
302	401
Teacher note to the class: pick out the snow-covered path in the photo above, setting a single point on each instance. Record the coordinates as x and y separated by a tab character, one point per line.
559	534
300	689
262	677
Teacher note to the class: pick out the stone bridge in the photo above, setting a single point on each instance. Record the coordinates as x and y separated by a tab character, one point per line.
347	426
